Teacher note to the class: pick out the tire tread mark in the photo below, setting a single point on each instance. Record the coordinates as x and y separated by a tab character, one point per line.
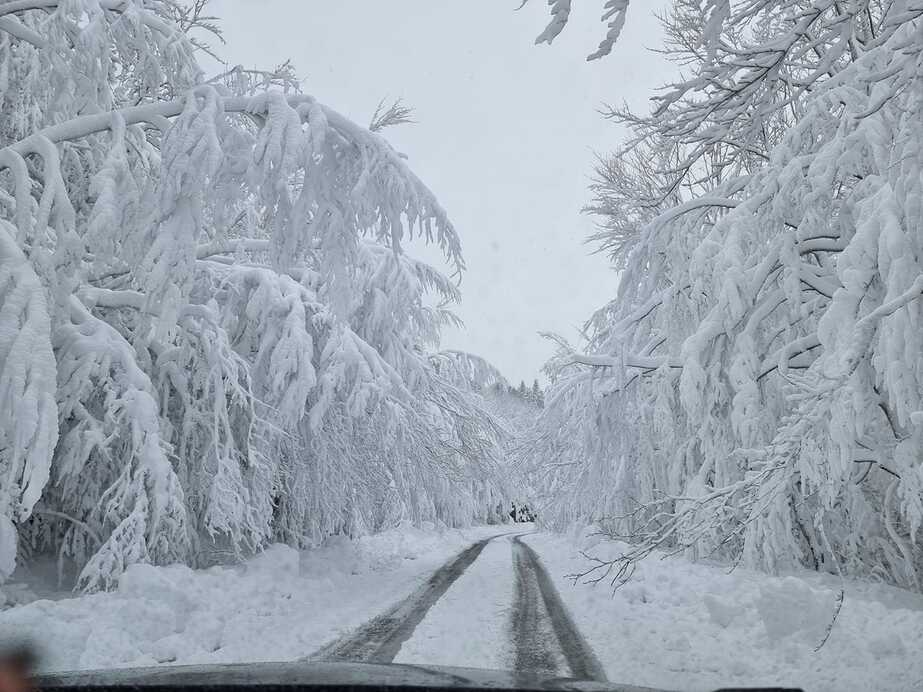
579	655
380	639
532	639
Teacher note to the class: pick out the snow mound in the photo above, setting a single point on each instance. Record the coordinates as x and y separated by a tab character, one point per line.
684	625
403	543
789	606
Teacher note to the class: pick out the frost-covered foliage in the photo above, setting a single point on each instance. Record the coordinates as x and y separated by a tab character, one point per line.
517	409
28	421
210	336
614	12
755	390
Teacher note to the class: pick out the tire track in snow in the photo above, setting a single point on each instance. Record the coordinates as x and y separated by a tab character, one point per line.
379	640
532	634
469	626
543	630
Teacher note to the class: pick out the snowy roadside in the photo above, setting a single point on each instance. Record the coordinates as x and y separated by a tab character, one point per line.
281	605
680	625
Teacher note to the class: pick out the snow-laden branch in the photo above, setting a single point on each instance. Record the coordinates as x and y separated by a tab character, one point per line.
628	361
232	246
693	205
150	113
148	18
614	12
19	30
783	358
28	412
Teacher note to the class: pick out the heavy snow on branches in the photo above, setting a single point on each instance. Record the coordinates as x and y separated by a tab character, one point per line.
754	392
210	336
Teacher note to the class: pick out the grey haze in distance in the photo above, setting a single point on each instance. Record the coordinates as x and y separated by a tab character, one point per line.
505	135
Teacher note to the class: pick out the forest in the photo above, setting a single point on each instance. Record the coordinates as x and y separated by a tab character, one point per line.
214	336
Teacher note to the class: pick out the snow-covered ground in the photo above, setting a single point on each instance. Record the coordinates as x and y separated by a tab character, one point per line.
683	626
469	625
676	625
281	605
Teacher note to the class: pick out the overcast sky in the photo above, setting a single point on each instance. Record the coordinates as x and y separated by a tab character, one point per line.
505	135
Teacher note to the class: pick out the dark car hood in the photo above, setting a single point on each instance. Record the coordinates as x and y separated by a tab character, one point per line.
317	675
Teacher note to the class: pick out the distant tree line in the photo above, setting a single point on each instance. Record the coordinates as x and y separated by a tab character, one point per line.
532	395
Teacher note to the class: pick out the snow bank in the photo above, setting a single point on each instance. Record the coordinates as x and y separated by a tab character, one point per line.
682	625
281	605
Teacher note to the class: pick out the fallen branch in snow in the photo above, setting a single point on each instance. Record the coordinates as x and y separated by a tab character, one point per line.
841	595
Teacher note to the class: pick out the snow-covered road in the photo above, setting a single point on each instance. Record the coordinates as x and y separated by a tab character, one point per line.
547	640
492	606
490	597
469	625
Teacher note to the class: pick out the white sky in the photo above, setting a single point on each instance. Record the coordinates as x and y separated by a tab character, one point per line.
505	136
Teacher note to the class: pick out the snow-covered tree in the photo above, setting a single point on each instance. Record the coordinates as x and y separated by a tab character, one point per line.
614	12
753	392
210	335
